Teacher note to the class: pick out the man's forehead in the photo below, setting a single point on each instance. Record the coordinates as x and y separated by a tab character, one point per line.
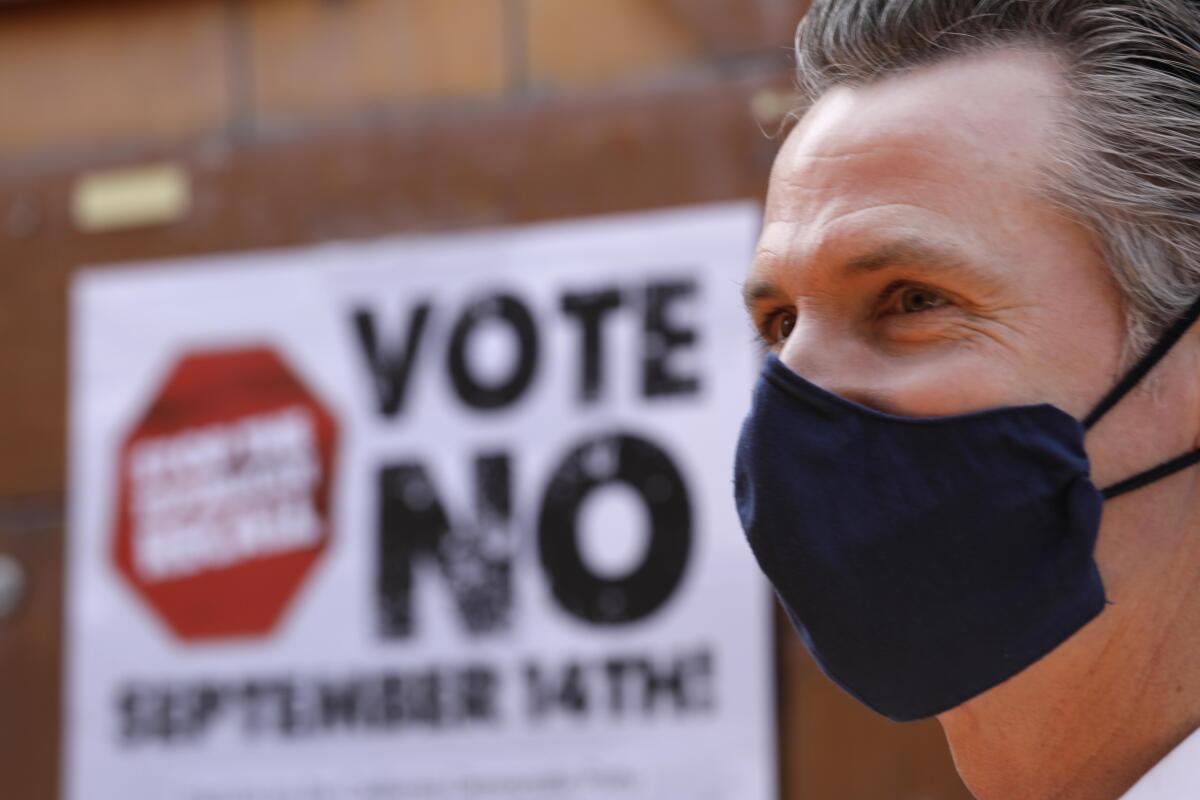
968	122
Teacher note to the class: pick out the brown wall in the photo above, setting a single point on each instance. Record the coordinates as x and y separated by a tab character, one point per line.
304	120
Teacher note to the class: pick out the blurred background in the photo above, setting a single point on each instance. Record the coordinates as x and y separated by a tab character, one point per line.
250	124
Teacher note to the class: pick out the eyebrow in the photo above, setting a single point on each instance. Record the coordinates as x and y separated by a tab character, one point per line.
905	252
908	253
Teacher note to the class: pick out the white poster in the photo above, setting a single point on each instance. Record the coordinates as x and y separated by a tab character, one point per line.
444	518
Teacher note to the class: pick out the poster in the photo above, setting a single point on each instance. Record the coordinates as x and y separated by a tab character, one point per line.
436	518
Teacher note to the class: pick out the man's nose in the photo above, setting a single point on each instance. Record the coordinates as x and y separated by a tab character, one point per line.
839	363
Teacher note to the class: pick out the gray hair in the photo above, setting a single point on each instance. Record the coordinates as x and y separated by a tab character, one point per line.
1129	164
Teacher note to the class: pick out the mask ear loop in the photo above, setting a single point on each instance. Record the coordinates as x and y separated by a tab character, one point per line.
1151	475
1127	383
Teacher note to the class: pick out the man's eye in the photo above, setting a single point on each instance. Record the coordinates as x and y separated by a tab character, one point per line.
780	326
915	299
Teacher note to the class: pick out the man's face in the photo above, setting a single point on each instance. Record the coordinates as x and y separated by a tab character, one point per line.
908	262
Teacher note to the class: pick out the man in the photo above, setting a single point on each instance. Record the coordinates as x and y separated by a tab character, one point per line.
987	215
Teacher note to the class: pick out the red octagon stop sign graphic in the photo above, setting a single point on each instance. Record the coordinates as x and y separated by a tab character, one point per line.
224	495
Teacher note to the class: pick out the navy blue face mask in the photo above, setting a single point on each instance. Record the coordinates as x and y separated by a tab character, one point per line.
926	560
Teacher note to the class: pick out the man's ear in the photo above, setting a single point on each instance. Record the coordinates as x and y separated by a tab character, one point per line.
1190	345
